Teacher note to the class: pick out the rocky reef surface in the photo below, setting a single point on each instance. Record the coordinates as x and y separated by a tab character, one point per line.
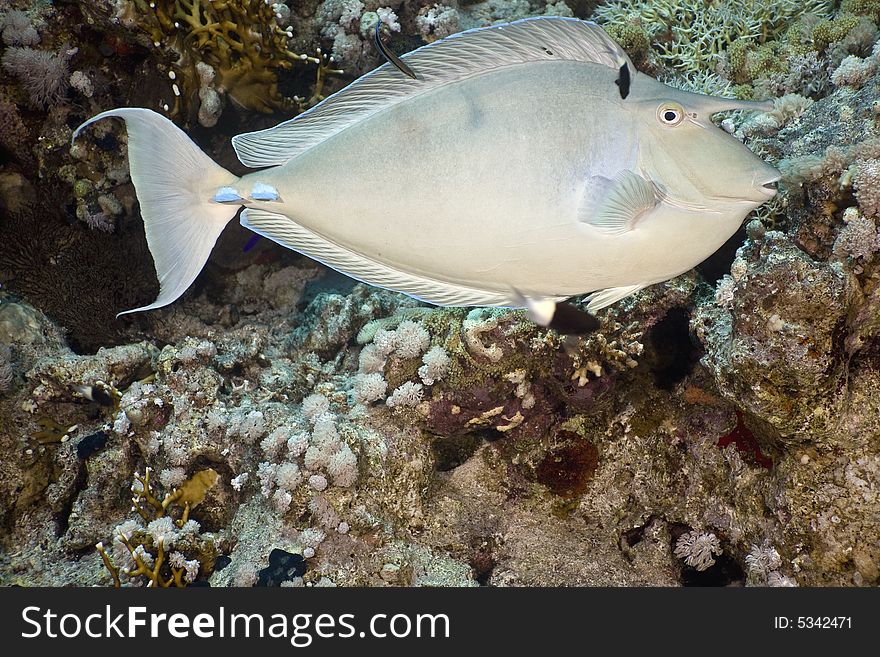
281	424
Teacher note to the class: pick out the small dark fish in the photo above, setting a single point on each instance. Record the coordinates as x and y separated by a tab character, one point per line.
560	316
91	444
396	61
623	80
571	320
96	393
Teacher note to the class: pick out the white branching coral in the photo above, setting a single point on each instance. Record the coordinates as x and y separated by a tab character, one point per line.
318	482
698	549
281	500
369	387
266	473
189	566
251	425
385	341
288	476
312	537
411	339
409	394
328	452
297	444
82	83
866	182
210	100
389	18
274	442
342	467
853	72
172	477
240	480
315	405
163	531
436	365
437	21
371	359
858	238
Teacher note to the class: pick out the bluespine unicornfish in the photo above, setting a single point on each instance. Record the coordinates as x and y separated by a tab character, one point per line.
530	155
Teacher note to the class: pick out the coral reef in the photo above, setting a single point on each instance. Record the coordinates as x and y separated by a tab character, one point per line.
305	430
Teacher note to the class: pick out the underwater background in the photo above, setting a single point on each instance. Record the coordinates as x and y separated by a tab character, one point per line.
282	424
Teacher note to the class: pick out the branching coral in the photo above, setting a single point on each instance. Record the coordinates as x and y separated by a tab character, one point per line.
691	36
241	40
145	546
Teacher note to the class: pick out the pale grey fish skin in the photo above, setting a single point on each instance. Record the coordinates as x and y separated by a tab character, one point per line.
491	174
532	177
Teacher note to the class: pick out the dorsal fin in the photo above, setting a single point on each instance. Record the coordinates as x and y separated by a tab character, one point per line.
451	59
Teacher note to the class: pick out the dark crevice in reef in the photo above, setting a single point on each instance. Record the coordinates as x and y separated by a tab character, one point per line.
62	518
672	351
483	561
718	264
634	536
450	452
725	572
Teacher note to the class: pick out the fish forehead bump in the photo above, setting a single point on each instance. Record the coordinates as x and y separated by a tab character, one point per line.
646	89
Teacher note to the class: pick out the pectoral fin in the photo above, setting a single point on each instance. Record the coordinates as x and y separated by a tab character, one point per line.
614	205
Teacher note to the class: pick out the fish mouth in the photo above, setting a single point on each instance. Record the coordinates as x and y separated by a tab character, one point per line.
767	189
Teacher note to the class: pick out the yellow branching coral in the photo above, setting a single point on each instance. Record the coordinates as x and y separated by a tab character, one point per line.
154	547
239	39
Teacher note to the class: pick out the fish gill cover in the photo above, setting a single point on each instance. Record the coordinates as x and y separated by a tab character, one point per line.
370	439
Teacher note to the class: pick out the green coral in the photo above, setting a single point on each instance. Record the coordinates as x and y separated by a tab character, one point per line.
798	38
633	38
690	37
869	8
826	32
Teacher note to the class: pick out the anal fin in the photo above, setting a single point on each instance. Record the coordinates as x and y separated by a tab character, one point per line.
287	232
603	298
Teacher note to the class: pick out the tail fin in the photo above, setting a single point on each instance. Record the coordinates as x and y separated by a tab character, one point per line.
175	183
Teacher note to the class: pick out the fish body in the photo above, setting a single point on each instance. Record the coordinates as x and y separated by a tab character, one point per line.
527	170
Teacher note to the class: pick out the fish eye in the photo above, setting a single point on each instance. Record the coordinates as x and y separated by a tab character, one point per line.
670	114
